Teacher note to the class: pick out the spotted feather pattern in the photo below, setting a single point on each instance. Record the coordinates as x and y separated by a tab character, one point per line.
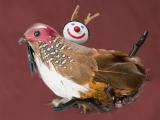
54	54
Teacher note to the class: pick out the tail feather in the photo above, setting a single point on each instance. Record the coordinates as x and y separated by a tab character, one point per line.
139	43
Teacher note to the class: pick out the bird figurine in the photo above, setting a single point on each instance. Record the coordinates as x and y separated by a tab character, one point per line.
87	78
76	31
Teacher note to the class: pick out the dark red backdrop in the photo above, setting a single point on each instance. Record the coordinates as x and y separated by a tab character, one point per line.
23	97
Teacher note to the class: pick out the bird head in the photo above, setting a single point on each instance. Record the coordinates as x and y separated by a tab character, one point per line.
39	32
34	35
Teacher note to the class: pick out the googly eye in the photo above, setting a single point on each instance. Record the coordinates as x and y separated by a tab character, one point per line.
82	26
72	24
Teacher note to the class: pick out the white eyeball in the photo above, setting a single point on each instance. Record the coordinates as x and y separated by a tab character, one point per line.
75	32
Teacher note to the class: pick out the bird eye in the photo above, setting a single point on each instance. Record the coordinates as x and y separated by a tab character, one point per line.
37	33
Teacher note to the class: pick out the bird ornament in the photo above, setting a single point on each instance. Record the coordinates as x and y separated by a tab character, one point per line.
86	78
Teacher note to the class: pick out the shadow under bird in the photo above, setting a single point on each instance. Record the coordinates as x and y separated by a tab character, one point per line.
88	78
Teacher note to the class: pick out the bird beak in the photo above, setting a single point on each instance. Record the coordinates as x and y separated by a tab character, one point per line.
22	40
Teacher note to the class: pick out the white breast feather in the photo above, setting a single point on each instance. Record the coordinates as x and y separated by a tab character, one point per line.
60	85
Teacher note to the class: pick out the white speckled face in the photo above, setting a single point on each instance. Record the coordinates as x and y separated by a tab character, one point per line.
75	32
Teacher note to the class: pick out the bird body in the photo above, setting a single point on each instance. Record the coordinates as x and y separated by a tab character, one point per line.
57	69
75	71
60	85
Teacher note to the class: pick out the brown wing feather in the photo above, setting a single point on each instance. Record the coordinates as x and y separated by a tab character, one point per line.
119	70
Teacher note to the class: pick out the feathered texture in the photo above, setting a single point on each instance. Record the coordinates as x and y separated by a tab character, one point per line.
120	71
31	60
86	65
96	68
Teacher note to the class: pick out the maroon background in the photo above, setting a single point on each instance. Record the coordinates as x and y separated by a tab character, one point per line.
23	97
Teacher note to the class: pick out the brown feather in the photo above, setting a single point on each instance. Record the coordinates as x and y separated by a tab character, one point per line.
98	68
119	70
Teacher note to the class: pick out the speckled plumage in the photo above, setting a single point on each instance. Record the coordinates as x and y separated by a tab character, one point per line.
93	69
